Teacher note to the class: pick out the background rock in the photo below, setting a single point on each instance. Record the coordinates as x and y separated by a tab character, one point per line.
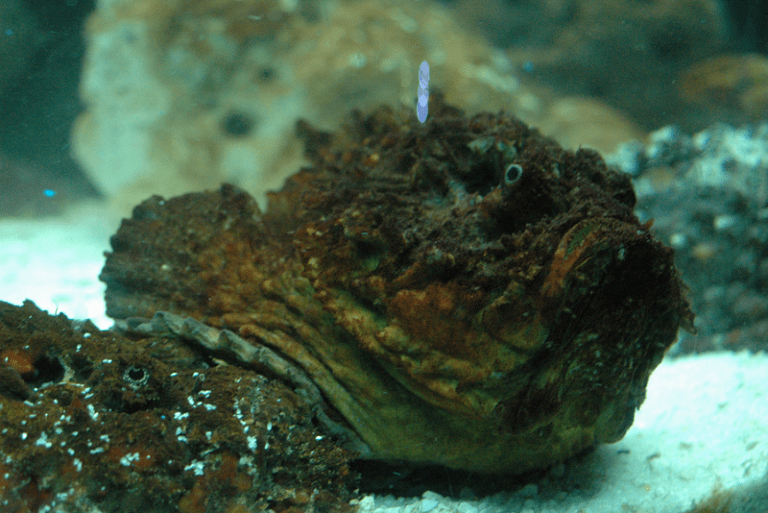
182	96
708	196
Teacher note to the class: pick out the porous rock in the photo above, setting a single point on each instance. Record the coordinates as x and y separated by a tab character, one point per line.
93	421
464	292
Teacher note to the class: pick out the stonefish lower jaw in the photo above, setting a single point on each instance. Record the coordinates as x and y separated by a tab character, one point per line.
461	292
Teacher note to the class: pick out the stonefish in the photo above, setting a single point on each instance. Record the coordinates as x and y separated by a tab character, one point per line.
461	292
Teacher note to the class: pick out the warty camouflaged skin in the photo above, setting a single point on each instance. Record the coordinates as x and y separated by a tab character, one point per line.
463	292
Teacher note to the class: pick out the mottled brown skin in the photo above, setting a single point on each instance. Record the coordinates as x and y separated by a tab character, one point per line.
464	292
149	424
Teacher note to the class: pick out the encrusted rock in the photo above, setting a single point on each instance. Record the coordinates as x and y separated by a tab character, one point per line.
92	421
463	292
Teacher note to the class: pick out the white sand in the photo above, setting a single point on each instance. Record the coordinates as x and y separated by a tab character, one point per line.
56	263
704	424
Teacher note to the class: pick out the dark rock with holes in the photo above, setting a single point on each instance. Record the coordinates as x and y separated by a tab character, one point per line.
93	421
464	292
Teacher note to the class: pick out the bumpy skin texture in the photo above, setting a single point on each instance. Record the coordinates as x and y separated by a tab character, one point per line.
92	421
463	292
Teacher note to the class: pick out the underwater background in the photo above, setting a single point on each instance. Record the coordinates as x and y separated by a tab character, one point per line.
106	104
